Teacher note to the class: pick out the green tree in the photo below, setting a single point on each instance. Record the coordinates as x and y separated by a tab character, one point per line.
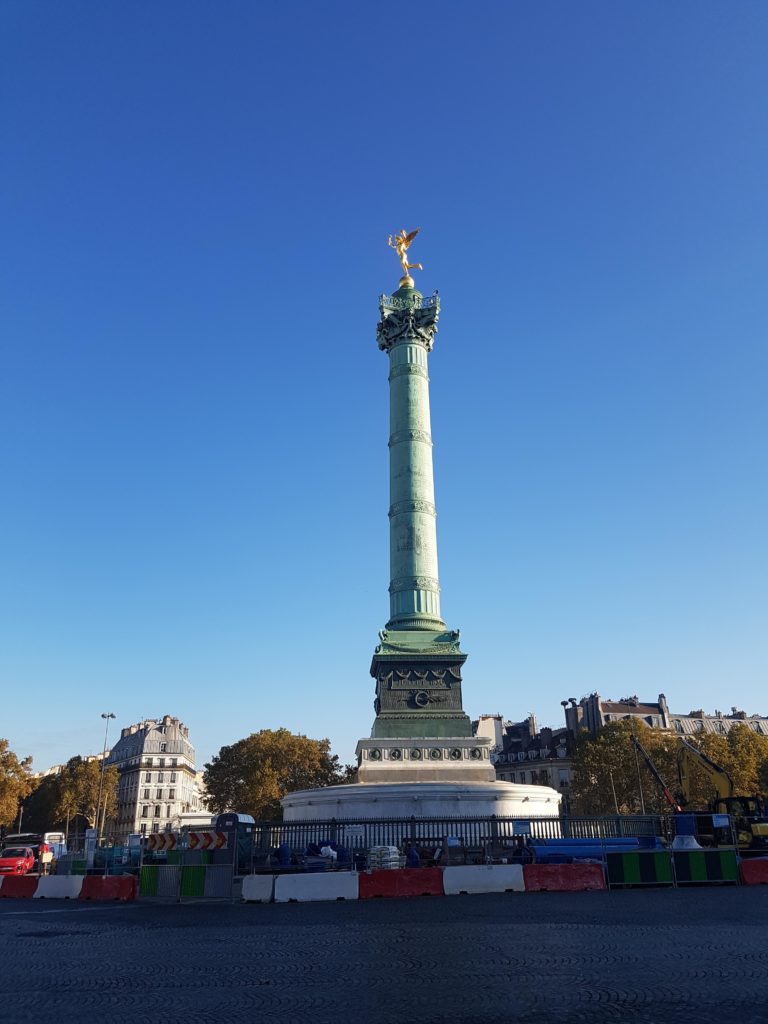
15	783
74	791
253	774
40	806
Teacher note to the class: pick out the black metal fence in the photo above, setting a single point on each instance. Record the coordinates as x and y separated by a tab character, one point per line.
365	833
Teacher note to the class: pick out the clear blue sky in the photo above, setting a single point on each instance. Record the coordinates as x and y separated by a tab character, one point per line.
193	412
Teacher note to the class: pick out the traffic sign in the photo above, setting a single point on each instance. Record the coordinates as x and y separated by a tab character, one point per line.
207	840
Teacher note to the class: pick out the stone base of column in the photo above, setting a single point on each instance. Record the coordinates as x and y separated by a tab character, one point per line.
418	685
427	759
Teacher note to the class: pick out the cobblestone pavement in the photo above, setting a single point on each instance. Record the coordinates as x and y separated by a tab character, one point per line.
637	957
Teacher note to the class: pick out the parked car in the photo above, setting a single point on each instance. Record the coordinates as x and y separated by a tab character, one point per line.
16	860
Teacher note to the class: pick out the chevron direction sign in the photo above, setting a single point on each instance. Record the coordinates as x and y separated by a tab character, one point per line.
207	840
160	841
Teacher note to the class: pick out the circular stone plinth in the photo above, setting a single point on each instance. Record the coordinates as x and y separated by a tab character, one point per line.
422	800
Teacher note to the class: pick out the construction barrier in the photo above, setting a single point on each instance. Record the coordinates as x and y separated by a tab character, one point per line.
192	880
58	887
316	885
402	882
109	887
639	869
18	887
159	880
754	871
694	867
475	878
563	877
258	888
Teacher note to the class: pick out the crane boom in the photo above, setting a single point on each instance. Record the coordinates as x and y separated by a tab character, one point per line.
655	773
689	757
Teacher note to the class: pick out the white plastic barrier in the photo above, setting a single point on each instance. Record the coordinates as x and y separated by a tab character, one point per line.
58	887
483	878
316	885
258	888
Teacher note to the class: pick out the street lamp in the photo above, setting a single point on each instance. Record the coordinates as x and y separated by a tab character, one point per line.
107	715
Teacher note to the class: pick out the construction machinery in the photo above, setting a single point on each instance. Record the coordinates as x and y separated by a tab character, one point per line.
747	812
676	807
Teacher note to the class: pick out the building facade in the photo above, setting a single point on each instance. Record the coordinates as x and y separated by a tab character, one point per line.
528	755
158	782
593	712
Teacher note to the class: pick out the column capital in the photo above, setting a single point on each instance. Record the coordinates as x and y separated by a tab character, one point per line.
407	317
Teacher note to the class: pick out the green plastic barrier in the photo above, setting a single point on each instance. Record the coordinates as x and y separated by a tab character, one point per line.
193	880
707	867
639	869
148	880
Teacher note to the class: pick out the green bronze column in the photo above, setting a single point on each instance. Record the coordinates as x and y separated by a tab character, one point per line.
417	664
406	333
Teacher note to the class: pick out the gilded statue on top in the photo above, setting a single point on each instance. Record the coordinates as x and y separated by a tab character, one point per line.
400	243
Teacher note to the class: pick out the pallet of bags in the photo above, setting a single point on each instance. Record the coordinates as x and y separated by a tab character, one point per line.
383	858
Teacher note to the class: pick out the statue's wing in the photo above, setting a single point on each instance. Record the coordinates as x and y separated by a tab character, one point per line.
410	238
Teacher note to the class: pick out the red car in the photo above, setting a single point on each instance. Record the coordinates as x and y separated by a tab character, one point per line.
16	860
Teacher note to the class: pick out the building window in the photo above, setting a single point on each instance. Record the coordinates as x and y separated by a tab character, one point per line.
171	794
173	776
156	826
145	811
678	725
148	777
146	794
563	776
161	762
163	747
161	776
174	762
157	810
159	795
168	811
720	726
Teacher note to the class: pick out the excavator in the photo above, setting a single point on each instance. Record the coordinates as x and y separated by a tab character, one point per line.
750	822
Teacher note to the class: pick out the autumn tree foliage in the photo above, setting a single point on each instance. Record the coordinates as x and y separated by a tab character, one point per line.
15	783
607	773
252	775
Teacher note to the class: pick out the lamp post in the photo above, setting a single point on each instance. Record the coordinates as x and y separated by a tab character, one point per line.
107	715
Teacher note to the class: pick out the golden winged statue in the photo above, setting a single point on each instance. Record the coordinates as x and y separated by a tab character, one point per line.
400	243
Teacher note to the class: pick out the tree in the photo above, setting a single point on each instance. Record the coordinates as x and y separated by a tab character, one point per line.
253	774
73	791
15	783
607	773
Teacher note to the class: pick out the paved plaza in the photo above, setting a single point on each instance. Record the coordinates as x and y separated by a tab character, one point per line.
639	956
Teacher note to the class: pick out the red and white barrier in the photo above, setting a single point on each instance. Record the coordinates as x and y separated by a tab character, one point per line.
18	887
69	887
563	877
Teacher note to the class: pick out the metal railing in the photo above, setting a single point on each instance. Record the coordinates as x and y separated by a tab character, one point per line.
361	834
